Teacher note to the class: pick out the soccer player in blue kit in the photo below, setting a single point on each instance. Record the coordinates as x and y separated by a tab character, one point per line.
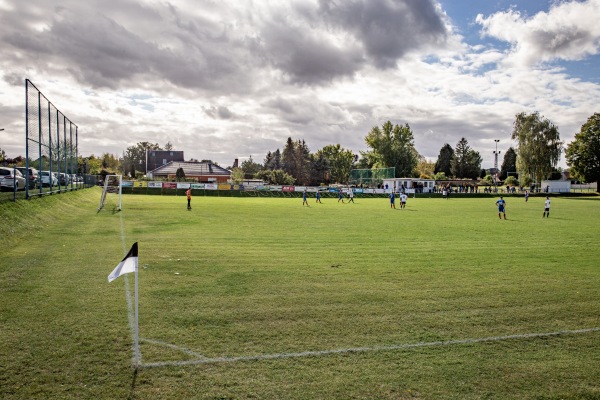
501	207
304	200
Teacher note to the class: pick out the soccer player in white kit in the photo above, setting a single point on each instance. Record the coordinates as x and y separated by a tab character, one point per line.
403	198
546	208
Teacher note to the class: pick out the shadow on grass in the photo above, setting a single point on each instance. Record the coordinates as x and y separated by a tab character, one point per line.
132	389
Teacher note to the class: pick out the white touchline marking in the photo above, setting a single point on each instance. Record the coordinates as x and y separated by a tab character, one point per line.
205	360
172	346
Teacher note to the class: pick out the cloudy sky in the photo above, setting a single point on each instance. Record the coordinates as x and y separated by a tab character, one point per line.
224	79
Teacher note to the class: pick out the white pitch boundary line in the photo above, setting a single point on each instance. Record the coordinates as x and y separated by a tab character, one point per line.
174	347
259	357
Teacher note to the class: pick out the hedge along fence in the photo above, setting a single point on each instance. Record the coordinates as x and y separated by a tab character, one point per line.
236	193
324	194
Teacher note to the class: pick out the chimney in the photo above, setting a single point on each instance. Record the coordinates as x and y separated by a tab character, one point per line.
235	163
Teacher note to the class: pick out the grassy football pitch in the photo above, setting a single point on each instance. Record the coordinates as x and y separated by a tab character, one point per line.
262	298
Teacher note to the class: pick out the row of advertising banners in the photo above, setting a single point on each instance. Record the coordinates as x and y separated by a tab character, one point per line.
226	186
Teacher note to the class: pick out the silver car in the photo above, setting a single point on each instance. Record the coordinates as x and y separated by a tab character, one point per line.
32	175
48	178
11	178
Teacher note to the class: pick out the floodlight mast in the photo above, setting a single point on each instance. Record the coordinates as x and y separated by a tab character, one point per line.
496	153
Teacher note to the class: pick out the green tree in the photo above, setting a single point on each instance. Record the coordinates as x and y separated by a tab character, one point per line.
268	161
110	162
393	146
320	170
424	169
511	181
237	175
297	161
134	158
94	165
340	162
275	177
509	163
305	163
539	145
366	161
180	174
2	156
466	162
250	168
444	160
440	176
288	158
583	153
273	160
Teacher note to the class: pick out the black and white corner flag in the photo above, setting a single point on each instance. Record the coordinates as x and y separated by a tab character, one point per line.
127	265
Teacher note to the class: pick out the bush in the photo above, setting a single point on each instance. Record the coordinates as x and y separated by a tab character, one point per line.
511	181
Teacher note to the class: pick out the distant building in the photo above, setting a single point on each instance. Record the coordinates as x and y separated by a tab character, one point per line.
410	184
203	172
157	158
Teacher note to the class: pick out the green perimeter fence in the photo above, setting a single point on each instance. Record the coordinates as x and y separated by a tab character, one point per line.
37	188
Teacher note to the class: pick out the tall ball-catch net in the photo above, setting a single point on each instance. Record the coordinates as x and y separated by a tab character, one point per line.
111	198
371	177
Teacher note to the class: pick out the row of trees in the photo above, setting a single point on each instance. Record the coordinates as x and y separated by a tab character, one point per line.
296	164
389	146
583	153
535	157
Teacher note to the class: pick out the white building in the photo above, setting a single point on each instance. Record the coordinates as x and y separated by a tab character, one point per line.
556	186
409	185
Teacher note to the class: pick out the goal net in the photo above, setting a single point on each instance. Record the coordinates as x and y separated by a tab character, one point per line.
371	177
111	193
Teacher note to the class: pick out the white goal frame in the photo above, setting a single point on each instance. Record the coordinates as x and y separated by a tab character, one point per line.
112	189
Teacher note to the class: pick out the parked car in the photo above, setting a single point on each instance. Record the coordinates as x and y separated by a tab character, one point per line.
32	176
63	179
11	178
48	178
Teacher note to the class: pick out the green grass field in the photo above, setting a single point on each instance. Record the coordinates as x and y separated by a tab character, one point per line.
261	298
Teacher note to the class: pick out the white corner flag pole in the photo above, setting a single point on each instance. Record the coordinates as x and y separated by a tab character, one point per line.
136	339
136	336
127	265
